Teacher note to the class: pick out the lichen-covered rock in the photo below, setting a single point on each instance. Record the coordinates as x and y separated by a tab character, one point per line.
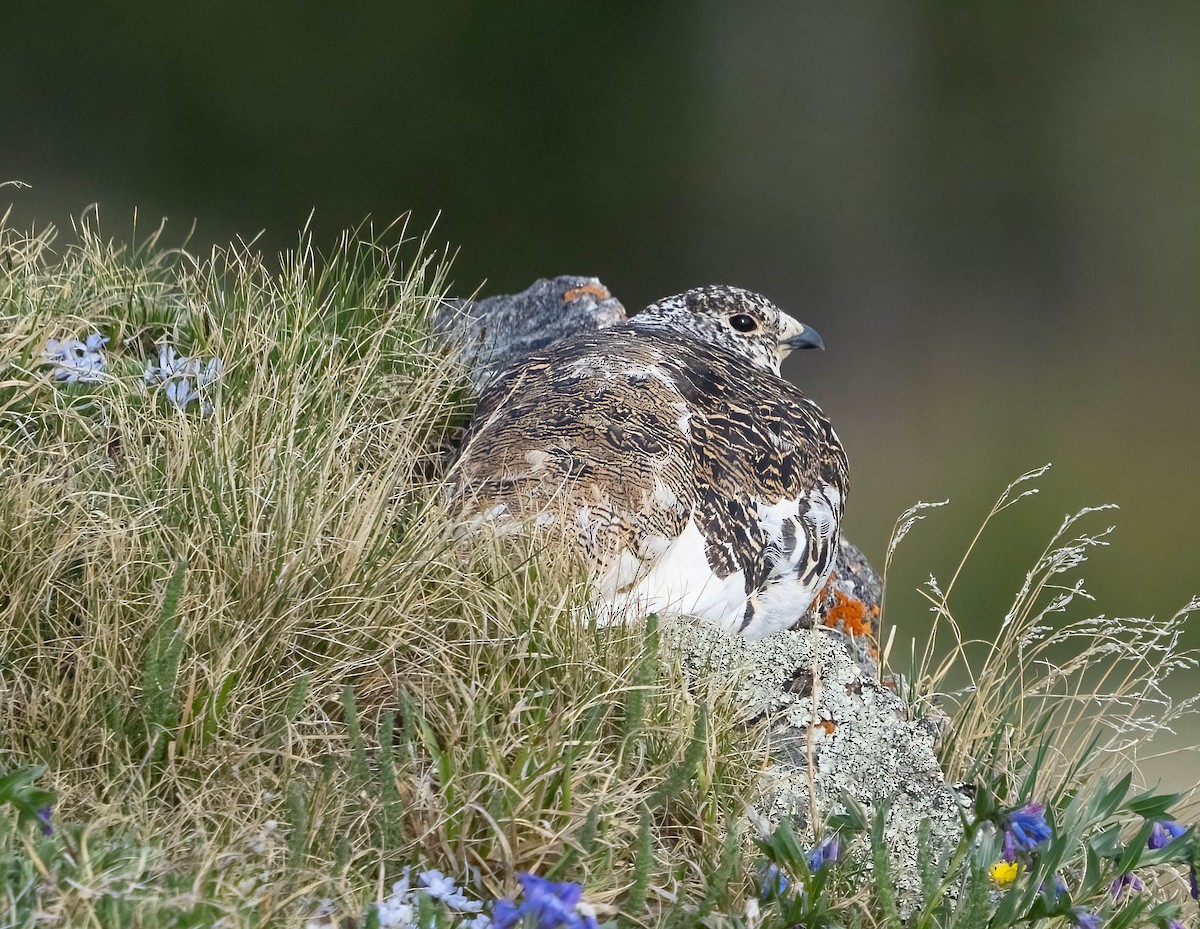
832	729
497	331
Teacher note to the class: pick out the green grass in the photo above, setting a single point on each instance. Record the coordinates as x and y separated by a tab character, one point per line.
263	669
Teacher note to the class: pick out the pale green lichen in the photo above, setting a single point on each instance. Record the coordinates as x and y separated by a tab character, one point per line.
832	729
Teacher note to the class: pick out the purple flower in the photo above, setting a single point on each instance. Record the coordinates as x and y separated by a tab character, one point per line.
1164	832
1025	828
550	904
1175	924
1084	919
1126	882
828	851
43	815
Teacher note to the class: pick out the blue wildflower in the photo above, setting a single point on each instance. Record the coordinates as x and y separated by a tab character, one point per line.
550	904
1025	828
43	815
1084	919
1164	832
185	378
505	914
1126	882
443	888
76	360
773	882
1175	924
828	851
1056	888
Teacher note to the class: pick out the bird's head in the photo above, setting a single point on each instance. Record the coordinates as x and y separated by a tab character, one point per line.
737	320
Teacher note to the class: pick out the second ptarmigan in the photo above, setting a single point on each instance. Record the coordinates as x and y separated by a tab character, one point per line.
695	479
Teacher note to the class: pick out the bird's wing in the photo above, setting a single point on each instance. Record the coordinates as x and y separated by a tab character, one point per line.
771	481
591	439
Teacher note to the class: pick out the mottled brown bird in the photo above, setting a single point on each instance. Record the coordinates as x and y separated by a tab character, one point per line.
695	478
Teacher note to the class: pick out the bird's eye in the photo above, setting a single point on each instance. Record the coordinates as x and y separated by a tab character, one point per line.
743	323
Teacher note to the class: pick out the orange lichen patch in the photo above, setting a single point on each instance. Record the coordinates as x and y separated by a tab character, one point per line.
600	293
828	726
850	614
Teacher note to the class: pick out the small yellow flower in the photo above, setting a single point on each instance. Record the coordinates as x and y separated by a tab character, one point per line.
1005	872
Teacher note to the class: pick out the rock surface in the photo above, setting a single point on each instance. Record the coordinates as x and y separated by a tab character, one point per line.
497	331
832	729
849	606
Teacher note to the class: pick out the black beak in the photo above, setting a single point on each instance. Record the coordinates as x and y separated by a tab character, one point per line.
809	338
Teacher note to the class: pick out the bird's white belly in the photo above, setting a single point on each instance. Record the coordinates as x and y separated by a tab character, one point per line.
777	608
682	582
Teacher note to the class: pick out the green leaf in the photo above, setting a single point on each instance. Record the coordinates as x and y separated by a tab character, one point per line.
1161	912
299	823
1091	873
885	892
1135	849
853	820
358	748
159	706
635	901
1126	916
392	825
1107	842
1151	805
1106	805
682	772
18	790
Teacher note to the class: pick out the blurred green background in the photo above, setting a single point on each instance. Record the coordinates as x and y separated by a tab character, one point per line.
991	212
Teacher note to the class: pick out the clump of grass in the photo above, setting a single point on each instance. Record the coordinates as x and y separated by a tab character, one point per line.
239	629
1099	684
1057	714
251	671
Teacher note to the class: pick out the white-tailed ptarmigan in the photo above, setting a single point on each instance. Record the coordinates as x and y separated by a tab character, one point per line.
694	477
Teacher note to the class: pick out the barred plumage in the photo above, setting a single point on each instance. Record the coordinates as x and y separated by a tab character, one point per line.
694	477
